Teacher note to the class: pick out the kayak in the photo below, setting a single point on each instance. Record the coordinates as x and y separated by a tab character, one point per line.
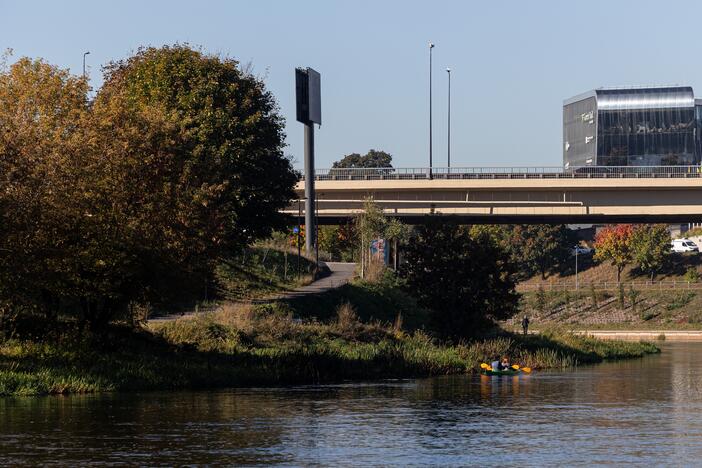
500	372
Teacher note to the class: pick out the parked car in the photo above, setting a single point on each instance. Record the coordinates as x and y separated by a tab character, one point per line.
580	250
683	245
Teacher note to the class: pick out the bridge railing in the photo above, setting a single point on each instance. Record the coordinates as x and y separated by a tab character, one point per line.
545	172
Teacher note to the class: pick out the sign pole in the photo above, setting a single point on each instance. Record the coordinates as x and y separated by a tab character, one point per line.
310	231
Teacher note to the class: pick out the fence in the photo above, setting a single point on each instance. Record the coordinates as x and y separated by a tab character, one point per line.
611	286
555	172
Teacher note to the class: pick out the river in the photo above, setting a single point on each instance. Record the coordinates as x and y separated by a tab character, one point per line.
639	412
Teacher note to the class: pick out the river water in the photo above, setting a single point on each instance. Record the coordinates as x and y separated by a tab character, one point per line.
639	412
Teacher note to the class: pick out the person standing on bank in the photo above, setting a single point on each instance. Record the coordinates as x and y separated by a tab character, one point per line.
525	324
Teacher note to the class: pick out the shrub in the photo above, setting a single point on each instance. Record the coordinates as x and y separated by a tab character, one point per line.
680	300
346	319
692	275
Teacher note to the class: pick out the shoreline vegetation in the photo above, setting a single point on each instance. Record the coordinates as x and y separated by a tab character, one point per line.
165	190
278	344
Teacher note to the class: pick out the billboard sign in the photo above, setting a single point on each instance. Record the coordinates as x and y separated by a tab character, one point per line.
380	250
308	96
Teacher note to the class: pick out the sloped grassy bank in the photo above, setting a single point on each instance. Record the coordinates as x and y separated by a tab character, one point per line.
247	346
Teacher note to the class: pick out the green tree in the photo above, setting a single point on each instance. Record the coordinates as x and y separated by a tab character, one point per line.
373	158
198	145
650	245
532	248
540	247
613	243
466	282
372	223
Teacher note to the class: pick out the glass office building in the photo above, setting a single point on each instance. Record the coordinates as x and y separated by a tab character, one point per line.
655	126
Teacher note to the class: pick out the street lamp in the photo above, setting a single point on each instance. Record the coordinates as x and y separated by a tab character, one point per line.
299	234
576	267
448	71
431	46
84	54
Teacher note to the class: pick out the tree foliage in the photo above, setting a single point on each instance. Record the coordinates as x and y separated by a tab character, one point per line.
613	244
533	248
650	245
177	163
467	282
373	158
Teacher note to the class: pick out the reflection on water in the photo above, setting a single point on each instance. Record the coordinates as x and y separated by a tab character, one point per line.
643	411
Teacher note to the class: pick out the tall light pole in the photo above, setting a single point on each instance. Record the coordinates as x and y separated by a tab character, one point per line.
448	154
84	54
431	46
576	268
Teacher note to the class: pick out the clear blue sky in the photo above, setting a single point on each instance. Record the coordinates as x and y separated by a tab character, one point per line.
513	62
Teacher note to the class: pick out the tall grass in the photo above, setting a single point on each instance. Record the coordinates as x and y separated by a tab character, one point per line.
248	345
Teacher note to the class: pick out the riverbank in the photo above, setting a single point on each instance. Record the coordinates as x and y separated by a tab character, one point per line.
257	346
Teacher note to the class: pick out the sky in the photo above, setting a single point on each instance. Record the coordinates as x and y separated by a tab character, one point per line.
513	62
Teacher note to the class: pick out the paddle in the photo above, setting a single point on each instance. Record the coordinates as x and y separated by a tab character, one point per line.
523	369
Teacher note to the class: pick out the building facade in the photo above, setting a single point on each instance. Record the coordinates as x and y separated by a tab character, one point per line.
654	126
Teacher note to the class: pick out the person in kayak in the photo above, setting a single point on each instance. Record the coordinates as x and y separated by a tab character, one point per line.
496	365
504	365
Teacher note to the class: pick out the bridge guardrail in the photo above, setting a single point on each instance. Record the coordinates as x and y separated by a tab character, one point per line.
586	172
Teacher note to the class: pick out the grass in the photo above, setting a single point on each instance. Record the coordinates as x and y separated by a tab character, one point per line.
246	346
654	309
262	270
383	301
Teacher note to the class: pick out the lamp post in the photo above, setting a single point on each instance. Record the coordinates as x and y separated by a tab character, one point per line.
316	233
299	234
576	268
84	54
431	46
448	154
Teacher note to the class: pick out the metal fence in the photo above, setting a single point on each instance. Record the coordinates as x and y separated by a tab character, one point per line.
611	286
556	172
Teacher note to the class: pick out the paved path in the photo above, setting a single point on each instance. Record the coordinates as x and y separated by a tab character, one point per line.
649	335
341	273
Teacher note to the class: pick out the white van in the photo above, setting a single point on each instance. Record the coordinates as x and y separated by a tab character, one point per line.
683	245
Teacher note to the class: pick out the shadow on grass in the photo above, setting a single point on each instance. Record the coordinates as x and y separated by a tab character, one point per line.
129	360
372	302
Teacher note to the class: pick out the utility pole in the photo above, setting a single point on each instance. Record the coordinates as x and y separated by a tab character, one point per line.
448	155
84	54
431	46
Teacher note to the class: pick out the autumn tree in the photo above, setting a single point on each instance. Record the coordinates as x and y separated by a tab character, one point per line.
42	215
613	244
650	245
466	282
199	145
176	164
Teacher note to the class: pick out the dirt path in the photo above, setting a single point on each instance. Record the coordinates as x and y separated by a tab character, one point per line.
341	273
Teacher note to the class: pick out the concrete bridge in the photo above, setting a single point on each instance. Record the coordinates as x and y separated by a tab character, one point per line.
513	195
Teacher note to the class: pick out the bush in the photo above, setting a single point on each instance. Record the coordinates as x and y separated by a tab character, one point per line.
680	300
692	275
